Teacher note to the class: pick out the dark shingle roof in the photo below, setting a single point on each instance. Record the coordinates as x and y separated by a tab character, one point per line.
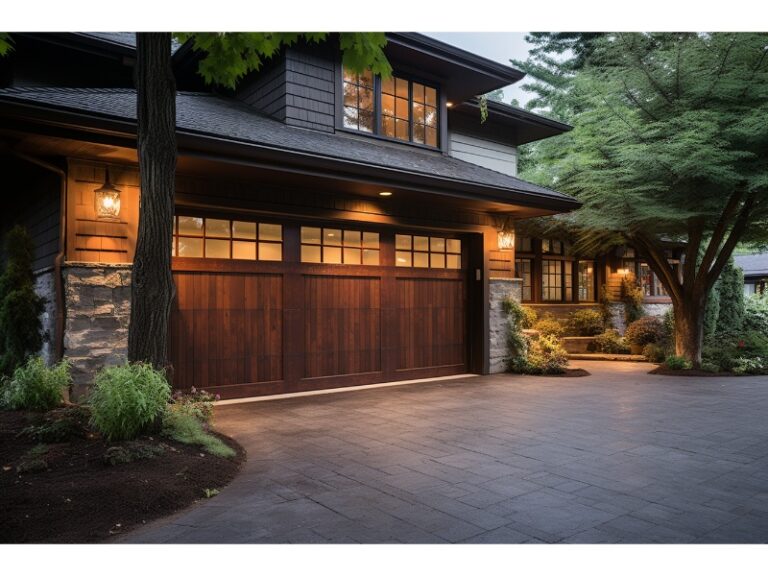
752	264
212	115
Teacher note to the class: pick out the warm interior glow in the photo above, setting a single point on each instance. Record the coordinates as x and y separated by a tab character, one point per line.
385	193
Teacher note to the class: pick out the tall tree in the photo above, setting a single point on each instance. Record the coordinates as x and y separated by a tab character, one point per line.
226	58
671	142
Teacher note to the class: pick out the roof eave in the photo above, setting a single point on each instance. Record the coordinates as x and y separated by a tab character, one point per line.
109	128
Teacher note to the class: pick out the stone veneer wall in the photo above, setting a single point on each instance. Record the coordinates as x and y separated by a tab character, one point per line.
98	303
651	309
498	290
45	287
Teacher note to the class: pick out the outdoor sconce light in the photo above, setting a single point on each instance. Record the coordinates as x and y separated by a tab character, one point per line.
505	235
107	201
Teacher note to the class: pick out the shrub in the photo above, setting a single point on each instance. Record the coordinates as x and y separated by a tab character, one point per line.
604	304
547	356
632	297
750	366
586	322
677	363
188	429
529	317
646	330
712	312
197	403
756	313
611	342
34	386
127	400
543	355
730	320
654	353
710	367
548	325
20	306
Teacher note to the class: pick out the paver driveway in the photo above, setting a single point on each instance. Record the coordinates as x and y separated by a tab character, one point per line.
620	456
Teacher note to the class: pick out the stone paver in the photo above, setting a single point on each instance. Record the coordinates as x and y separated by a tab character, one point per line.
619	456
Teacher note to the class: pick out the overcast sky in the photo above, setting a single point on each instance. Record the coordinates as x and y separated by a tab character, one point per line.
499	46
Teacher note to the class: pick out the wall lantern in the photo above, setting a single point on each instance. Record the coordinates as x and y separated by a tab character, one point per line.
107	201
505	235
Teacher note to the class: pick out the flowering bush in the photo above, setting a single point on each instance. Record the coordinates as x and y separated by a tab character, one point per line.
197	403
750	366
646	330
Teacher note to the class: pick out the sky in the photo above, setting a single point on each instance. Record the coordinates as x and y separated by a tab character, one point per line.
498	46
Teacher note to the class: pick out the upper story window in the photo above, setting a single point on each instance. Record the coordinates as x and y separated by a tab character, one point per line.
359	101
396	108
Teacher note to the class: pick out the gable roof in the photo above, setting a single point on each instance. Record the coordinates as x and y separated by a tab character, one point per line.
753	264
210	116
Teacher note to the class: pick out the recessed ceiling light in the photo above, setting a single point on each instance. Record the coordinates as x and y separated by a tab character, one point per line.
385	193
449	104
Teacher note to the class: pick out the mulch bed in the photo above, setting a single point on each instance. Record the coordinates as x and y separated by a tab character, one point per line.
70	493
664	371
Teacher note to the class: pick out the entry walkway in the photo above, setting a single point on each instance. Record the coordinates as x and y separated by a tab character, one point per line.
619	456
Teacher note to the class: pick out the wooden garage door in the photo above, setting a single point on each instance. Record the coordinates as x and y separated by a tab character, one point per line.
242	328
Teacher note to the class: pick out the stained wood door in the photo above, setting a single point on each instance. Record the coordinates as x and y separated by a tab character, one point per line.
253	328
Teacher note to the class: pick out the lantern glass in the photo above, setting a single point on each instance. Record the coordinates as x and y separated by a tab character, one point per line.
506	239
107	203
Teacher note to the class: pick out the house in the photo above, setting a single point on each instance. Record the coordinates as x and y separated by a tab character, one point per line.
332	229
755	268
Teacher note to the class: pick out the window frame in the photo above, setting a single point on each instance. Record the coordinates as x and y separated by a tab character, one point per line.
257	241
377	110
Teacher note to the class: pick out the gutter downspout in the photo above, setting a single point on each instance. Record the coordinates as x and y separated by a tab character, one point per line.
59	260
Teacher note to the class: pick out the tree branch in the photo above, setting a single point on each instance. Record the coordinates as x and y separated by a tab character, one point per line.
733	238
695	235
718	233
657	260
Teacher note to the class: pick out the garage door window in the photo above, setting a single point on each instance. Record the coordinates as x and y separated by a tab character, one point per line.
196	237
427	252
337	246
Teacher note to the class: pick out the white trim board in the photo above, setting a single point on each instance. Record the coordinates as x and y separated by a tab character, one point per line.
339	390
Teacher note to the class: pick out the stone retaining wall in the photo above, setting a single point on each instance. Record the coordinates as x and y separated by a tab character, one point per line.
98	304
499	289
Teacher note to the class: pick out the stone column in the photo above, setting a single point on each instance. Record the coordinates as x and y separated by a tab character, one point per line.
45	287
499	289
97	302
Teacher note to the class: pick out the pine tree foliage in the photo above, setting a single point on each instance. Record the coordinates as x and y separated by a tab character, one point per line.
670	142
20	306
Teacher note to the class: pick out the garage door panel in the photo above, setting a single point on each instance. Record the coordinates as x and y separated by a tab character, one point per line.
431	322
342	325
227	329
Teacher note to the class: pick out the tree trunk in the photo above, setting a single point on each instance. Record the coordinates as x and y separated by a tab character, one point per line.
152	288
689	330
